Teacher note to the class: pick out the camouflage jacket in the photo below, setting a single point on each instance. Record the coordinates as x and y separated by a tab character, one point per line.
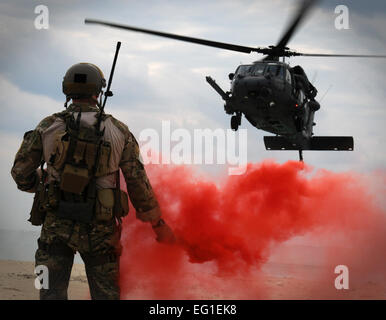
38	145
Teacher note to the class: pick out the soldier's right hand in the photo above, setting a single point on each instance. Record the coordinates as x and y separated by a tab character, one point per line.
38	177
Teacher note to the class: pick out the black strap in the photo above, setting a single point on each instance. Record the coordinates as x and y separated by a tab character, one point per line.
118	183
117	197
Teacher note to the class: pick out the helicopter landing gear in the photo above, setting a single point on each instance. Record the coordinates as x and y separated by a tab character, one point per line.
301	155
236	121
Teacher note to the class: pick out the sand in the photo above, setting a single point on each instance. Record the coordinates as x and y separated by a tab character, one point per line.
17	283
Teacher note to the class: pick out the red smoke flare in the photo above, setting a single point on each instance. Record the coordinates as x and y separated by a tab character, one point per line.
227	232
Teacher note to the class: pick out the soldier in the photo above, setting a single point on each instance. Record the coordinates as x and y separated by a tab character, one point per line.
77	197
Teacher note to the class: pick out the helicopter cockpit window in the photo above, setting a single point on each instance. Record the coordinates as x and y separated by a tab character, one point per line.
288	77
275	70
258	69
281	73
244	70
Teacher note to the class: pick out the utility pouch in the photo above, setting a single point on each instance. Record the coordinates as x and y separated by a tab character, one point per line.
74	179
39	206
124	200
38	213
78	211
105	205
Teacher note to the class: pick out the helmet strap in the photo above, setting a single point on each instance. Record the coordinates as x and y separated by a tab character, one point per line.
100	100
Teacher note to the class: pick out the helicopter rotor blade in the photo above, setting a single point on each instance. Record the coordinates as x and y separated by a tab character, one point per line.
271	52
298	17
210	43
339	55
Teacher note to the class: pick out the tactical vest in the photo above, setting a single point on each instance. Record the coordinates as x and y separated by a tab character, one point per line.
80	155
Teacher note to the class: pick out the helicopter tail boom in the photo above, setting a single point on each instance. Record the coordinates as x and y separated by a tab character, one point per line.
315	143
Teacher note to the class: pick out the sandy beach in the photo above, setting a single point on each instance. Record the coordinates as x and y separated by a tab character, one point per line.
17	283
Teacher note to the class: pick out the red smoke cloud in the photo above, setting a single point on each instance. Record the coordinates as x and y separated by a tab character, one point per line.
227	230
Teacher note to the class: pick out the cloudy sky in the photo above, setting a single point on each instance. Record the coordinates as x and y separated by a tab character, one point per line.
159	79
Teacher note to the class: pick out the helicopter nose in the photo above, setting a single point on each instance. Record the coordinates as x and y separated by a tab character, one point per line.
250	87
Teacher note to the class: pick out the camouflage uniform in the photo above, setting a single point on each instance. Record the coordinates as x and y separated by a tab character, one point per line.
99	241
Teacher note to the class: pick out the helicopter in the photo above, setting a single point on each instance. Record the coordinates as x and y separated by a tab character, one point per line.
272	95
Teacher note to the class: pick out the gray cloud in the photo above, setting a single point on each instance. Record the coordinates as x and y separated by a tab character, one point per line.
158	79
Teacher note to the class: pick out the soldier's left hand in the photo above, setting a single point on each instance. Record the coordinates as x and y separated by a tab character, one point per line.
164	232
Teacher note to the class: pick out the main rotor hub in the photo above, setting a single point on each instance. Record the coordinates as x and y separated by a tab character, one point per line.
275	51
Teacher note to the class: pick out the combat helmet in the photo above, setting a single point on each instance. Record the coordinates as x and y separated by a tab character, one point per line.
83	80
